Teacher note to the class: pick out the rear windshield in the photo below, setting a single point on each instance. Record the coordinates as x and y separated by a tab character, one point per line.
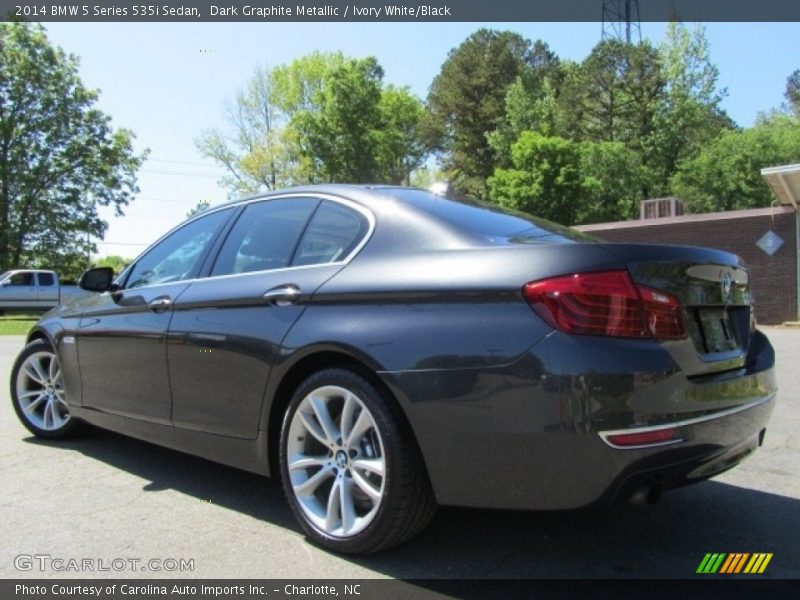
499	225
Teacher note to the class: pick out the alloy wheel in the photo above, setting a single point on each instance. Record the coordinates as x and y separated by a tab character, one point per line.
40	391
336	461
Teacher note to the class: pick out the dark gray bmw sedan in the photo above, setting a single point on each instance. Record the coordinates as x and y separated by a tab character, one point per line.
384	350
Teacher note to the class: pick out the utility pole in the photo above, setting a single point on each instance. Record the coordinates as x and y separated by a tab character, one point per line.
621	21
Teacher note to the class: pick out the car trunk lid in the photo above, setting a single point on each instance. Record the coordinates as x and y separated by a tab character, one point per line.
714	291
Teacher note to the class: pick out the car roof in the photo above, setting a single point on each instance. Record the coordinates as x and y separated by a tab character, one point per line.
364	193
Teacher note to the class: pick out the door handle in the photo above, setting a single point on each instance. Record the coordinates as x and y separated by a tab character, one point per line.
285	295
159	305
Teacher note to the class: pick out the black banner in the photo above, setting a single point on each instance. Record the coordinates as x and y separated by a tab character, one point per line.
388	589
400	10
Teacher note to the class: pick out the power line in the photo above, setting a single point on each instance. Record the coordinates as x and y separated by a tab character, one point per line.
179	173
123	243
188	202
177	162
165	217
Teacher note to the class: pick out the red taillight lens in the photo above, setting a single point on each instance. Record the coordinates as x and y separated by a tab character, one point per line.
605	303
662	312
643	438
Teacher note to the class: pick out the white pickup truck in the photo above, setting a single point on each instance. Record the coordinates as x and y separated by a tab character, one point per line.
33	290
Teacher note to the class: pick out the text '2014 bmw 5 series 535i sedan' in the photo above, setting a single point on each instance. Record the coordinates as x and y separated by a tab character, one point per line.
383	350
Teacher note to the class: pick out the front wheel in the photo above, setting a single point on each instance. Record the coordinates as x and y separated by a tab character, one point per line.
351	470
37	392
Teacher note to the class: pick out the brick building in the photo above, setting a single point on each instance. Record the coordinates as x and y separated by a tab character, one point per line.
773	261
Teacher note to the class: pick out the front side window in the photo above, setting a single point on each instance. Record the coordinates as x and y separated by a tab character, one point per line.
265	236
332	235
177	257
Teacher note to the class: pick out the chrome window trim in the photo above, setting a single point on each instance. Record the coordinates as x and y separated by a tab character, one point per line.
365	212
604	435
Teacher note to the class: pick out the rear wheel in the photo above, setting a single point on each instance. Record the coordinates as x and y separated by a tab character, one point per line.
37	392
351	470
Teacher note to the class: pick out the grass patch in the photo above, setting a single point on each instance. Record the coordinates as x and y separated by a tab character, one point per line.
17	324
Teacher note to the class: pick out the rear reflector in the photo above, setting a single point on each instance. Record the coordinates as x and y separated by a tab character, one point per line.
643	438
605	303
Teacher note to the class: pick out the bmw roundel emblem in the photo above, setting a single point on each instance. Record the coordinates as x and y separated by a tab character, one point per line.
727	285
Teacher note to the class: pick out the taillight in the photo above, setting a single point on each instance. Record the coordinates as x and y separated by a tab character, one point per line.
637	439
605	303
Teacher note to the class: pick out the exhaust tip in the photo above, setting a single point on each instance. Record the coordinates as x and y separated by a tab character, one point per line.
649	493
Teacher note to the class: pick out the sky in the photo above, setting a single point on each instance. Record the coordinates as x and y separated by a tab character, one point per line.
168	82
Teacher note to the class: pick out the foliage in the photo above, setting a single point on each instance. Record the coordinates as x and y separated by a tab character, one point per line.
793	91
612	179
527	108
635	113
118	263
201	206
726	174
613	94
569	182
689	115
426	176
320	118
401	149
467	101
340	137
545	179
59	156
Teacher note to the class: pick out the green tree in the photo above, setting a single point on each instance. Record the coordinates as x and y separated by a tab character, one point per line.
59	156
726	174
611	182
689	115
545	179
201	206
340	136
793	91
256	153
467	101
531	103
320	118
118	263
400	142
613	95
528	107
569	182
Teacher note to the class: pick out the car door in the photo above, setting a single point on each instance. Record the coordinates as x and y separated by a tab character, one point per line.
122	334
48	289
227	328
19	290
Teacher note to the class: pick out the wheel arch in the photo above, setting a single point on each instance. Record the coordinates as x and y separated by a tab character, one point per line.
38	334
281	389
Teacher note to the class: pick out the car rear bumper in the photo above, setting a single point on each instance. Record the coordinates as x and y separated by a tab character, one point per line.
534	434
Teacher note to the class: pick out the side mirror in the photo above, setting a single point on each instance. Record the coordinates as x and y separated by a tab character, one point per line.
98	279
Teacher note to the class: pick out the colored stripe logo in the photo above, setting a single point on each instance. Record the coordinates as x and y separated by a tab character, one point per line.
734	562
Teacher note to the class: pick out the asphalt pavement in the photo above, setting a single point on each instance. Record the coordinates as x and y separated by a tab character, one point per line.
129	505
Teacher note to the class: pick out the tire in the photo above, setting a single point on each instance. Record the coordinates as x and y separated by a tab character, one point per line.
46	414
374	470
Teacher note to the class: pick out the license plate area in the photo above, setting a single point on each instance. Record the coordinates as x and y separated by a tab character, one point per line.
717	330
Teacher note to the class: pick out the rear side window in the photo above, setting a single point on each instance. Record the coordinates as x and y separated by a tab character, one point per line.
265	236
46	279
332	234
21	279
